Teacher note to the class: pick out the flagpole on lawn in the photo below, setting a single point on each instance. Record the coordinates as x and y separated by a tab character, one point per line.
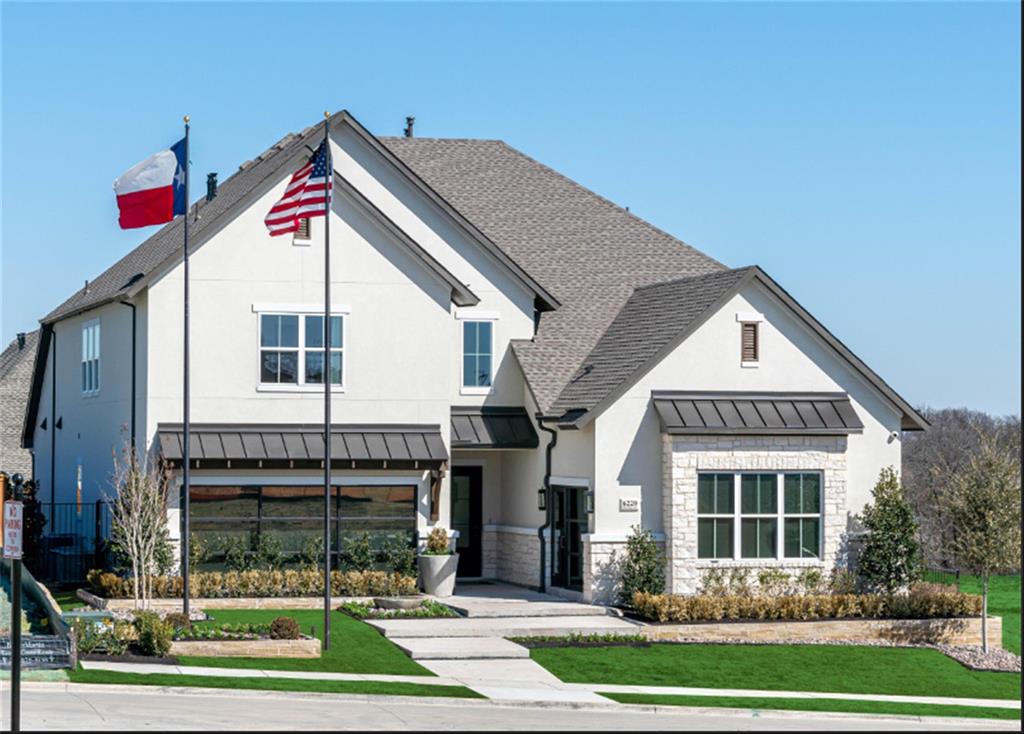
185	478
329	175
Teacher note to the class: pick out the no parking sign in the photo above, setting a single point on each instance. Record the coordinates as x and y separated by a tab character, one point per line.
12	529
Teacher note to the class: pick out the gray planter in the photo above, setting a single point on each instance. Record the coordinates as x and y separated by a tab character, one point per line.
438	574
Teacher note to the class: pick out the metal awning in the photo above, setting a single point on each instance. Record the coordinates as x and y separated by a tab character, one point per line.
479	427
302	446
756	413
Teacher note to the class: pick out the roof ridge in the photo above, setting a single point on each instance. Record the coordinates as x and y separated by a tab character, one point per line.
622	210
441	139
688	278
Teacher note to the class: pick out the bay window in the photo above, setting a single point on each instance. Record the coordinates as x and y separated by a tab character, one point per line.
759	515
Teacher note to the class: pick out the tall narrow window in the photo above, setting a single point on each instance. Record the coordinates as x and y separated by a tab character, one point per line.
279	348
759	515
715	518
314	350
477	351
802	521
749	342
91	358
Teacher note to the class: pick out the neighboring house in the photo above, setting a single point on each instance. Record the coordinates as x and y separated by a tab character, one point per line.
16	365
499	328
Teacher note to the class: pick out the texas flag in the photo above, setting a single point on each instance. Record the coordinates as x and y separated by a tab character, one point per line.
153	191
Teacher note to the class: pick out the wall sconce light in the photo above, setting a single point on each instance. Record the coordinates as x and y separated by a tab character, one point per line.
542	499
590	501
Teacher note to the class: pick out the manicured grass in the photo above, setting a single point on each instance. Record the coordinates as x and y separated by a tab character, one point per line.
355	646
817	704
821	668
67	600
272	684
1003	601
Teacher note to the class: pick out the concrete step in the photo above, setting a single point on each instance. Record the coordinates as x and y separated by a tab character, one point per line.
460	648
503	626
490	609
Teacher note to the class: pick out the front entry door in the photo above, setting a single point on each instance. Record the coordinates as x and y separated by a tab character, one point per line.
467	514
569	525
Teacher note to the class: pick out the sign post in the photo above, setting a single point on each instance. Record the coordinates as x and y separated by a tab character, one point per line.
13	526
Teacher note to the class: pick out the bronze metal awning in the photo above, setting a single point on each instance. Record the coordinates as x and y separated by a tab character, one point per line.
479	427
302	446
756	413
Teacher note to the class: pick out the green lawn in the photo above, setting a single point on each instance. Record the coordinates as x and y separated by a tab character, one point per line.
817	704
821	668
272	684
1003	601
355	646
67	600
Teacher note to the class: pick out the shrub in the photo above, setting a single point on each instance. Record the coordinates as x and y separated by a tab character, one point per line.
284	628
773	582
890	560
810	581
643	567
107	637
715	582
437	543
312	553
739	582
179	622
358	554
155	634
269	552
275	583
706	608
237	550
399	556
842	581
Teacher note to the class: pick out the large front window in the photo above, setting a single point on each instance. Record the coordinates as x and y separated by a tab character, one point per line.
759	515
292	349
227	518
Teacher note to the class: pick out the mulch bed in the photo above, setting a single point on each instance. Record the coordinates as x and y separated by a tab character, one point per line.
129	658
532	644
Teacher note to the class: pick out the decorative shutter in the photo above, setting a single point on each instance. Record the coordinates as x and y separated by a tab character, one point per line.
749	343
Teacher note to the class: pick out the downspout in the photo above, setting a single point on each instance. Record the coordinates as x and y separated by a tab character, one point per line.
548	504
134	332
53	428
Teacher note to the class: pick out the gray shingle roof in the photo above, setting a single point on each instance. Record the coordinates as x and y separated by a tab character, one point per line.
653	318
584	249
16	365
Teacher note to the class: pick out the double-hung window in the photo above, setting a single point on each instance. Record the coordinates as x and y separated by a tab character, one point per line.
477	354
292	349
91	358
759	515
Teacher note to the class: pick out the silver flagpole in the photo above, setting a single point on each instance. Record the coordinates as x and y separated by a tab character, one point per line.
329	176
185	478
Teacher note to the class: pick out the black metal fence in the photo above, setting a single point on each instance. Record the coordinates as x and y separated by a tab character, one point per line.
947	576
74	541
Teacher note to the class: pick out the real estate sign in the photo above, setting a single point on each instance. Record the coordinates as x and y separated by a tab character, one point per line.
12	529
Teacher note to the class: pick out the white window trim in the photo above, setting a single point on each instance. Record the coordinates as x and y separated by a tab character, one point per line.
472	313
304	241
749	317
474	389
299	310
780	516
87	326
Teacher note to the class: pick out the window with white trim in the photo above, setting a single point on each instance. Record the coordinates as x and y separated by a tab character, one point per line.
477	353
759	515
292	349
91	358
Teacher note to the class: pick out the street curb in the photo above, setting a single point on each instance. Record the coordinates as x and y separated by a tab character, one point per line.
68	687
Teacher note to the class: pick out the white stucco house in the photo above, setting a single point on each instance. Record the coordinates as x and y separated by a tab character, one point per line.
517	359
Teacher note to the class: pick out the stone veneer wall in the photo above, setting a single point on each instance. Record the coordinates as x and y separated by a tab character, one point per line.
684	456
512	554
602	572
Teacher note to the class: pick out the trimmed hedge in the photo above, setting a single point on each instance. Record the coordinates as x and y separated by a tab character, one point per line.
705	608
275	583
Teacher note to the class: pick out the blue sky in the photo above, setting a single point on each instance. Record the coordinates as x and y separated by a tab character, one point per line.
866	155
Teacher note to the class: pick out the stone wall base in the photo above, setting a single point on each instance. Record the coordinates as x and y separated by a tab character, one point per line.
250	602
306	647
517	557
959	631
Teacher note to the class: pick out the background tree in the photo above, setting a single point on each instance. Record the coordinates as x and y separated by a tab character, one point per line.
932	458
138	518
890	559
983	503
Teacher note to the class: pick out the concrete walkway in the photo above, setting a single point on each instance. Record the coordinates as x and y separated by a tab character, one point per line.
524	680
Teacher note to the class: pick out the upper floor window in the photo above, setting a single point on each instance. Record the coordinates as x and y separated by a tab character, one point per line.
477	354
291	349
91	357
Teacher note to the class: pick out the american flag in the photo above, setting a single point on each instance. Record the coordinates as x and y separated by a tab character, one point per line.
306	195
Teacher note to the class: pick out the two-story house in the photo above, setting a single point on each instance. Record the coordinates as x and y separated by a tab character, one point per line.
515	358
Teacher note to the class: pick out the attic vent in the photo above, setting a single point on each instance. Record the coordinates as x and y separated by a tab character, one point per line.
749	342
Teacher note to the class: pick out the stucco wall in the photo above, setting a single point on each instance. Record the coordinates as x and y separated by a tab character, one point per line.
628	435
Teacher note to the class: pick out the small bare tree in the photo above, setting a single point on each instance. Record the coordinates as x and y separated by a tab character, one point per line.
983	503
138	514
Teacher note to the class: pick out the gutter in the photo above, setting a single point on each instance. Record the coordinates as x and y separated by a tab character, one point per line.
134	335
548	504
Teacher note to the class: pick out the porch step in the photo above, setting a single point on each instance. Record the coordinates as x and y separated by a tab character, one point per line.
503	626
492	609
460	648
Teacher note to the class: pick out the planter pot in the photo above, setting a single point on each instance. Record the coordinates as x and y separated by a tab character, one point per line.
438	574
399	602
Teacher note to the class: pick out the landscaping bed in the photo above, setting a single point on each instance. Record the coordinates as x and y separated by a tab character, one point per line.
427	609
578	640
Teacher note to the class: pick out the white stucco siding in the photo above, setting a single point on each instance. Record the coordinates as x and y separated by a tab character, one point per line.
93	426
792	358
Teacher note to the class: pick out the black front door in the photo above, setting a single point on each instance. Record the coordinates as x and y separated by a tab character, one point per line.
569	525
467	514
